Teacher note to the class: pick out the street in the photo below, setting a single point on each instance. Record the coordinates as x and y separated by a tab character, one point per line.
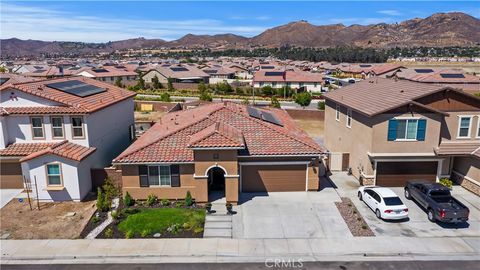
371	265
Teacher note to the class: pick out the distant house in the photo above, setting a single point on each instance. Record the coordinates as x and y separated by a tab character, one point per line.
177	73
110	74
311	82
221	148
390	131
219	74
53	132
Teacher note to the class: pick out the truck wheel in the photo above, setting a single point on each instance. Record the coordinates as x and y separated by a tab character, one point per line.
407	194
377	213
360	196
431	215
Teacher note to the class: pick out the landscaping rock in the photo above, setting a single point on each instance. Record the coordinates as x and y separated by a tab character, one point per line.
70	214
157	235
5	236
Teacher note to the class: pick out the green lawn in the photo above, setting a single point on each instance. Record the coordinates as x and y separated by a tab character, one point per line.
159	219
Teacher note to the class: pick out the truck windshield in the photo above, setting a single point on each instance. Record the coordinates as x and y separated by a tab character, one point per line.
392	201
438	193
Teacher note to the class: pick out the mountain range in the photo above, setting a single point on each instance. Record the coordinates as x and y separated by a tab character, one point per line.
437	30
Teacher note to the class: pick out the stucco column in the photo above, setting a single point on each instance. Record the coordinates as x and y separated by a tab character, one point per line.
231	189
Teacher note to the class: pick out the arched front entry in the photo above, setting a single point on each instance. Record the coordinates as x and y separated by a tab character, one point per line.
216	181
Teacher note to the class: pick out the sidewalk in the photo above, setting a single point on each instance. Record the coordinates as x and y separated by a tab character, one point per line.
237	250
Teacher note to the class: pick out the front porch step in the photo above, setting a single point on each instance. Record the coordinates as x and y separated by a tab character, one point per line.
218	218
217	233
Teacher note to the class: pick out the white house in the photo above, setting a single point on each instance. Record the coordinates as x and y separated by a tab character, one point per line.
53	132
311	82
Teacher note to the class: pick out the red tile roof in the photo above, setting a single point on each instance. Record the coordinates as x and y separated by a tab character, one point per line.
63	149
78	104
217	135
23	149
169	139
464	148
44	110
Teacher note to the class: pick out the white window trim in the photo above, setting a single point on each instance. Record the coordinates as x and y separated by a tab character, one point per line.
53	128
406	129
41	127
469	126
349	116
159	181
74	127
337	112
478	127
60	174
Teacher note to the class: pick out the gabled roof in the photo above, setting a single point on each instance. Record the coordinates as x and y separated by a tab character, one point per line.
378	95
170	139
217	135
180	71
70	102
23	149
286	76
63	149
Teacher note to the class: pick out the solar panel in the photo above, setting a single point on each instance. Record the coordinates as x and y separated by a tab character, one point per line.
39	71
99	70
176	69
3	80
269	117
452	75
253	112
210	71
423	70
74	68
365	65
77	88
274	73
268	67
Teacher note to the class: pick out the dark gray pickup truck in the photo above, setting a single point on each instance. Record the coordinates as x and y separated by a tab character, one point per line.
438	201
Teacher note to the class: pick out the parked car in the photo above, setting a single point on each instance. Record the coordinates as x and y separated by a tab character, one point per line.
384	202
438	201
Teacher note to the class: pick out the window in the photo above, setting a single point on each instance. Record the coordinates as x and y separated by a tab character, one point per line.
289	84
261	84
37	127
158	176
337	113
349	117
77	127
54	175
57	127
301	84
274	84
406	129
143	173
315	84
464	126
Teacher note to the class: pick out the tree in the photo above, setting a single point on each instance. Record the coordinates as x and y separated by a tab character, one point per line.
156	83
170	84
127	200
205	96
202	87
3	70
274	102
321	105
118	82
140	83
165	97
303	99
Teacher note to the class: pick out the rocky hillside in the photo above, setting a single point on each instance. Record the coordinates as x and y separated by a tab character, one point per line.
438	30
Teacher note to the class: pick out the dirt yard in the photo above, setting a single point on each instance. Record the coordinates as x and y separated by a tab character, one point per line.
314	128
148	116
50	222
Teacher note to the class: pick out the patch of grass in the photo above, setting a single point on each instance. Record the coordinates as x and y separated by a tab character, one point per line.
159	219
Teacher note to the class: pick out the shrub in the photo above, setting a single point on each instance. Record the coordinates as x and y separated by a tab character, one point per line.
128	201
165	97
188	199
245	101
446	182
109	233
151	199
239	91
145	233
364	227
114	214
170	84
303	99
198	230
129	235
284	91
156	83
179	204
275	103
102	206
205	96
130	211
321	105
202	87
95	219
267	90
165	202
111	191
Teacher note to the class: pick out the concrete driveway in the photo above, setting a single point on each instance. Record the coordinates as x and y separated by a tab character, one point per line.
6	195
289	215
418	224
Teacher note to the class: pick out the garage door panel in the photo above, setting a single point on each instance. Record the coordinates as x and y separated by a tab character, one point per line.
11	175
271	178
396	174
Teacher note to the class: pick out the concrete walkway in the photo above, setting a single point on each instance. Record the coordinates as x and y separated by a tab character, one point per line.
237	250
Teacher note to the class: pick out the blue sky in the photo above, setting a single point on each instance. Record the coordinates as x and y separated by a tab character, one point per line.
94	21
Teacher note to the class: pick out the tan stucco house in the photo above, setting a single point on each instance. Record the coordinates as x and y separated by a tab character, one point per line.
224	147
389	131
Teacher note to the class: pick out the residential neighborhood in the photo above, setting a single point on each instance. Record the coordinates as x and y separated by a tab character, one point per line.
226	143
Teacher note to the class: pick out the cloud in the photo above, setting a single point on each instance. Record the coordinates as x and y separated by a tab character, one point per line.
49	24
355	20
391	12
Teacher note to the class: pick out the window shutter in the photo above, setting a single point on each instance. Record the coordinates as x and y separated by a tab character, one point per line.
143	175
392	129
421	129
175	175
